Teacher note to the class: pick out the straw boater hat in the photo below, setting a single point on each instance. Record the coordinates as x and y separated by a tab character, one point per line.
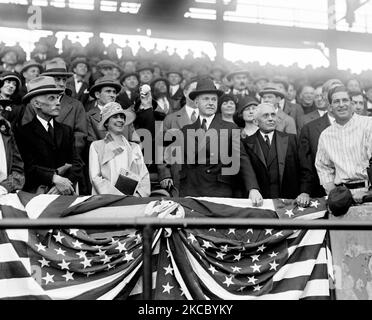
203	86
112	108
8	75
105	81
239	71
31	63
272	90
56	67
40	86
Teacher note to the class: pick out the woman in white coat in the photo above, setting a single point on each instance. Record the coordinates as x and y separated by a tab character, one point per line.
117	166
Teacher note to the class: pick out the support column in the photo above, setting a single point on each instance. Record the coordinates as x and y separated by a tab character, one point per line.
219	35
332	26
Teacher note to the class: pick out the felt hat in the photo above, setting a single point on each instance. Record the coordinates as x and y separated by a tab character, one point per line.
239	71
272	90
31	63
40	86
203	86
105	81
56	67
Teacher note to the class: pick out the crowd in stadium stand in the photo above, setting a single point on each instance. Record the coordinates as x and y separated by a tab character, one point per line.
75	121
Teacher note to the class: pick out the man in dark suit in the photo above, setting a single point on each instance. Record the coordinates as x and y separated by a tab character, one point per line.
321	108
240	79
52	164
129	93
208	169
72	112
79	83
292	109
11	164
188	114
273	155
175	90
308	146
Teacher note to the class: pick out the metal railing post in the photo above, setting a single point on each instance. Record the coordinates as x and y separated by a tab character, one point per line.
147	232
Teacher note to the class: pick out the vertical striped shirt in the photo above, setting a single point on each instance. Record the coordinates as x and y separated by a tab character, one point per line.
344	151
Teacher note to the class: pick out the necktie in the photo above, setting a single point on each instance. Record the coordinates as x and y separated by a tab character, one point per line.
267	140
193	116
204	124
51	130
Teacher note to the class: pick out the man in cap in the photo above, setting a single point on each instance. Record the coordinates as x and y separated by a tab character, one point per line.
273	156
175	91
345	147
10	108
240	80
52	164
79	83
104	68
31	70
273	96
146	73
129	94
207	169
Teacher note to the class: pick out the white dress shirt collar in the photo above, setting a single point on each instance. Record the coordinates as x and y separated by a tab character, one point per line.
190	110
270	135
322	112
209	120
44	123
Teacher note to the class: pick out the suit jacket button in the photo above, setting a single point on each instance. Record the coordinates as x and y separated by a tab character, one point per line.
208	171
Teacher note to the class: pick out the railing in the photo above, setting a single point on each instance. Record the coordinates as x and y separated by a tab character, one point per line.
147	225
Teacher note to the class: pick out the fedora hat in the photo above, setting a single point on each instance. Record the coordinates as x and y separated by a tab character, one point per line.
128	74
105	81
272	90
144	66
8	75
239	71
112	108
29	64
40	86
174	71
78	60
56	67
205	85
107	64
340	200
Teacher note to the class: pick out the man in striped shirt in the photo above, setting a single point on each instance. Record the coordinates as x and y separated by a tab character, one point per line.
345	147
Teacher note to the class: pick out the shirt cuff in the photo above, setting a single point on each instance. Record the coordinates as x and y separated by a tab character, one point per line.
3	191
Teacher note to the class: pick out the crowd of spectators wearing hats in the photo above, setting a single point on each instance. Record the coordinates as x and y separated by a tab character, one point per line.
70	122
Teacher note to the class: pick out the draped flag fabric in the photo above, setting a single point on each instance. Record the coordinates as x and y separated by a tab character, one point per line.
188	263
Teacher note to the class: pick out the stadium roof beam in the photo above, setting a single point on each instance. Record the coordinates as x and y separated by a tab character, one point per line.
67	19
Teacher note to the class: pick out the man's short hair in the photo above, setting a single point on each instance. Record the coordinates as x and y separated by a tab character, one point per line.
335	90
